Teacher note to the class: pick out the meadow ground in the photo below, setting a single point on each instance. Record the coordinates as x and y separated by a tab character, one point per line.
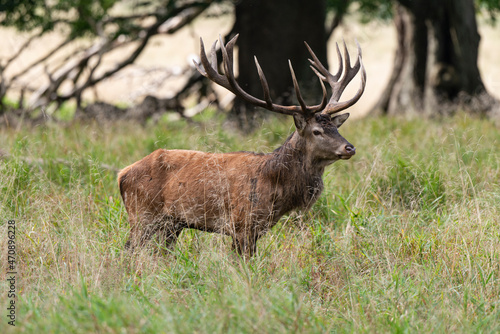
405	238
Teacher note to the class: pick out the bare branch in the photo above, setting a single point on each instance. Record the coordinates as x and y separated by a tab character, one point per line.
21	49
41	60
187	14
74	67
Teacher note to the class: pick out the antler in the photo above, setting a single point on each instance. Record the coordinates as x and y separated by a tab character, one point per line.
338	86
208	68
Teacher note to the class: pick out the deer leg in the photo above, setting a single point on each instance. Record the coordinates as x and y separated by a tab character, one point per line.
142	230
245	245
236	245
171	239
130	244
170	231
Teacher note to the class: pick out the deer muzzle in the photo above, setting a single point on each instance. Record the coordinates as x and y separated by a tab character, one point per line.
347	152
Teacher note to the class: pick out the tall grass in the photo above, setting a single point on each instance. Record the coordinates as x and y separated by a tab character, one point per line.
405	238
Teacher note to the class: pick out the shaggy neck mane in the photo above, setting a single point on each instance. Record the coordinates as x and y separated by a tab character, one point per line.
295	174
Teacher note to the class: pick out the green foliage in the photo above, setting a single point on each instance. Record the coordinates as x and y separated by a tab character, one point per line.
492	7
412	186
405	238
382	9
370	9
80	16
26	15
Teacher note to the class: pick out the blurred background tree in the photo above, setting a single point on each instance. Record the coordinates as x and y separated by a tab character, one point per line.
436	63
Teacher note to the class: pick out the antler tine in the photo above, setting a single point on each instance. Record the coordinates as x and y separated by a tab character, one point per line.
318	67
199	66
341	67
360	52
324	100
338	86
336	107
227	54
323	75
350	72
227	59
213	56
297	89
209	70
264	84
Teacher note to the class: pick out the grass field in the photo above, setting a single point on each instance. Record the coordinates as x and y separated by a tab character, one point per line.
405	238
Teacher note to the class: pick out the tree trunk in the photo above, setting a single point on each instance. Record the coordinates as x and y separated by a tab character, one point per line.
435	69
275	31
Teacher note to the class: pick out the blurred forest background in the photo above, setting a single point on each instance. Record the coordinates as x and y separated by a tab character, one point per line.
113	59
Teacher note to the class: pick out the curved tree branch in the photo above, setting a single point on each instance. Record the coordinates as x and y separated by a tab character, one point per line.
81	67
168	23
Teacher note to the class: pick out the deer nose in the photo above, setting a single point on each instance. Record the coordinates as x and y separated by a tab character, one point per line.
351	150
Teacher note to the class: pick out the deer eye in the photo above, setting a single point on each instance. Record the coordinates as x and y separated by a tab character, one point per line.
316	132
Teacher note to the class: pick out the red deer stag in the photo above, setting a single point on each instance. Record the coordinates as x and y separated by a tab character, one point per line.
241	194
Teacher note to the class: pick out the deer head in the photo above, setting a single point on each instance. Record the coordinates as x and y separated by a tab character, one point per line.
317	126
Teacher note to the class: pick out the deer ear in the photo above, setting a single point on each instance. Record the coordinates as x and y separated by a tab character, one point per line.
340	119
300	122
